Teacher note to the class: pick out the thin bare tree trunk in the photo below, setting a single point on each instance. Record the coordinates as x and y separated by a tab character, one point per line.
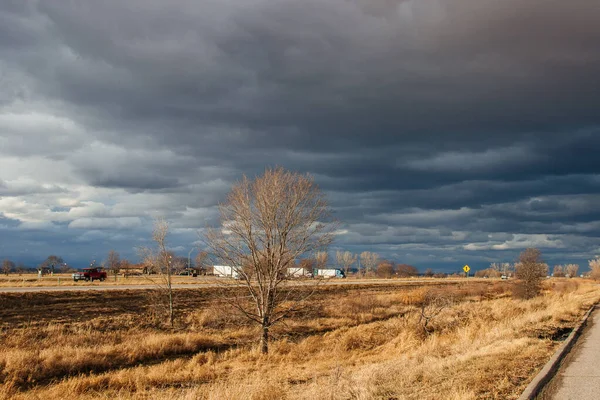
264	341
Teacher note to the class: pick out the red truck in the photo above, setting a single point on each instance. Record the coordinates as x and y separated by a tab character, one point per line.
90	274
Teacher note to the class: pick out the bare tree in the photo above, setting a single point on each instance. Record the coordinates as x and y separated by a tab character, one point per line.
345	260
558	271
308	265
266	224
369	261
65	268
7	267
385	269
571	270
20	268
406	271
161	261
51	263
432	305
594	265
113	263
530	270
125	267
201	262
321	259
507	269
488	273
429	273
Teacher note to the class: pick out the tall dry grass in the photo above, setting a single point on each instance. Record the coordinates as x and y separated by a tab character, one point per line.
355	345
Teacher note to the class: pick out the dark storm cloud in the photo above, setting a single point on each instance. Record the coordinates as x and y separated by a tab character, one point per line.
432	124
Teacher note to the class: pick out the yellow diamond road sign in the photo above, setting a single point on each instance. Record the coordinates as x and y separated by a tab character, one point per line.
466	268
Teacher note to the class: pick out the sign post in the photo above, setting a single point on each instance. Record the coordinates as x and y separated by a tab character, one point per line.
466	268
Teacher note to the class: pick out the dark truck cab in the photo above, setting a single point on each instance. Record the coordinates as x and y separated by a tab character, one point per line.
90	274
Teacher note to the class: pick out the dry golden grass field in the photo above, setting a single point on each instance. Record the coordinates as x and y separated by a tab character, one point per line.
353	342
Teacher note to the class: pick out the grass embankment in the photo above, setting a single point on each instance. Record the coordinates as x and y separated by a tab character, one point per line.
354	344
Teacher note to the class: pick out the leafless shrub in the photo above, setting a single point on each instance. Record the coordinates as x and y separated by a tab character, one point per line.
530	270
433	303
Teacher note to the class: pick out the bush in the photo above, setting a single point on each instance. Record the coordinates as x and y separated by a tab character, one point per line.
595	268
530	271
488	273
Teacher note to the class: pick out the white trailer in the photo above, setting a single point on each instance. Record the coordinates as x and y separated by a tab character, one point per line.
297	272
225	271
331	273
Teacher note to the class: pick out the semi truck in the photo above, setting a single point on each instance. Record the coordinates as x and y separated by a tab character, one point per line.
298	272
225	271
331	273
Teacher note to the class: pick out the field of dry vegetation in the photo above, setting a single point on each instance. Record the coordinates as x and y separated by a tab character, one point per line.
32	280
455	340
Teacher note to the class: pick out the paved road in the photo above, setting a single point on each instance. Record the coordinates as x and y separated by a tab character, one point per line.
95	287
108	286
579	376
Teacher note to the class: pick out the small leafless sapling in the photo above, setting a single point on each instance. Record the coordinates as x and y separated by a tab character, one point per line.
160	260
432	305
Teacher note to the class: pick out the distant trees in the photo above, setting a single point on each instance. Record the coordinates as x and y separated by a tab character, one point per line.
321	259
7	266
572	270
266	224
308	265
594	265
20	269
201	261
488	273
406	271
345	260
64	268
558	271
429	273
385	269
530	271
506	269
51	263
113	263
368	261
568	270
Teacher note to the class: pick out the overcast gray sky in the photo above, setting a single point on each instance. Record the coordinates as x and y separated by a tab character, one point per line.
444	132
